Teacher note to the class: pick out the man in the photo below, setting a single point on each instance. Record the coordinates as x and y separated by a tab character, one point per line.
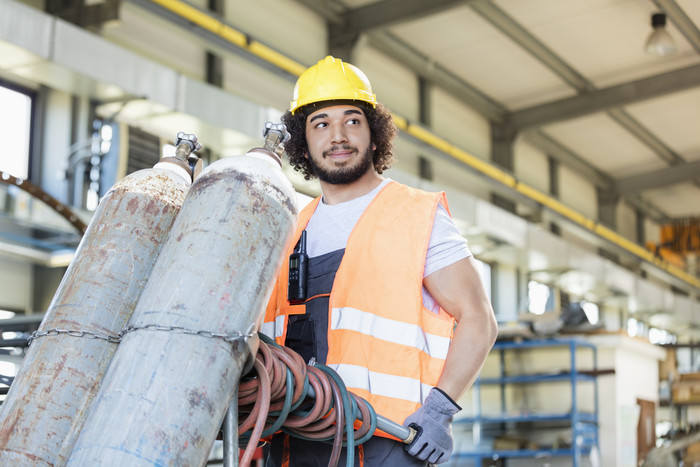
388	275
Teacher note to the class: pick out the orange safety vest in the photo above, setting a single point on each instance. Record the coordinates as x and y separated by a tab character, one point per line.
386	346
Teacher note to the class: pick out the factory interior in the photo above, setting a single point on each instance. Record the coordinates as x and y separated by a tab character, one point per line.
565	134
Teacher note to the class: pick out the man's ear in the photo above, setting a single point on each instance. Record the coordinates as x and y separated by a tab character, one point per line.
306	155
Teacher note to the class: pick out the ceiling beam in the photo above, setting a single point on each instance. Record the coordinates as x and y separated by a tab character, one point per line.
379	15
327	9
658	178
386	13
684	24
642	134
212	39
647	209
589	99
604	99
518	34
568	158
436	74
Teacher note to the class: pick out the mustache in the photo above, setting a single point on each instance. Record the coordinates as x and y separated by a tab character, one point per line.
344	147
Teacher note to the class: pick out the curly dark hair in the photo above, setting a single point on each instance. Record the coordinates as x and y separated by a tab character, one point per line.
382	131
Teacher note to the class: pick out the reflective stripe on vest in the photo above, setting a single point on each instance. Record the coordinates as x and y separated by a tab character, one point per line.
274	329
381	384
390	330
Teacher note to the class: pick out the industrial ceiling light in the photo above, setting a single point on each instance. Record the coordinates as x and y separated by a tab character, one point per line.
660	41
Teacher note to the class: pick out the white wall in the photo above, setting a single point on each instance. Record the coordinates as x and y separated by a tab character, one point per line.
288	27
636	365
394	84
626	221
652	231
577	192
56	144
16	278
531	166
460	125
153	37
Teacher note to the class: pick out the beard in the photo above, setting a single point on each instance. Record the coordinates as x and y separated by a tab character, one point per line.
343	175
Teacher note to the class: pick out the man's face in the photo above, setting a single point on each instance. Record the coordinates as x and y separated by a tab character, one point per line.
340	149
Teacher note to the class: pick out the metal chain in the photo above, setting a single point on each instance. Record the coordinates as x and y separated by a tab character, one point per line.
115	339
178	329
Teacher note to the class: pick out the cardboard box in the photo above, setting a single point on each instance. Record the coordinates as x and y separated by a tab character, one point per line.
668	368
692	455
686	392
509	442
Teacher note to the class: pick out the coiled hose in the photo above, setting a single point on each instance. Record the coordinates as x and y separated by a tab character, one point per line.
277	396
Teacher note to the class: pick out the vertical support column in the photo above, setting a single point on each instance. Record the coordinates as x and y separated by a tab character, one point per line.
607	207
640	231
424	102
425	168
607	214
214	63
341	43
80	150
503	373
36	141
596	400
425	165
553	166
575	422
214	71
502	141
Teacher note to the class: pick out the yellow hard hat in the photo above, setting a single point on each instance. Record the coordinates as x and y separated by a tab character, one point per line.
329	80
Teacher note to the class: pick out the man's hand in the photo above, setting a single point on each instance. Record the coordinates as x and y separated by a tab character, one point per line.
433	423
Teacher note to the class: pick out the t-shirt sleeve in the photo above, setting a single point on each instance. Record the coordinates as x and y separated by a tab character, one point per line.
446	246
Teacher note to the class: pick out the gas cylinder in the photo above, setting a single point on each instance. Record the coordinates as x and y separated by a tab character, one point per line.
69	354
167	390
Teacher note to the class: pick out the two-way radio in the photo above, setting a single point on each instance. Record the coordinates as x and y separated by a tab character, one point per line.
298	272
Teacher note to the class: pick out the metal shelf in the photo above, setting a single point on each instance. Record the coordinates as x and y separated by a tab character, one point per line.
583	425
537	378
584	417
534	453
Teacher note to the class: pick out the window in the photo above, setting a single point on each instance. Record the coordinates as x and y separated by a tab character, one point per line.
661	336
485	272
592	311
15	127
635	327
540	297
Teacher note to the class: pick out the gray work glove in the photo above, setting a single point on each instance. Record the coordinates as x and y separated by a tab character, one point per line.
433	423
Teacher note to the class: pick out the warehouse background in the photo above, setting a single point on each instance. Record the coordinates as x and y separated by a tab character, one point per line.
570	157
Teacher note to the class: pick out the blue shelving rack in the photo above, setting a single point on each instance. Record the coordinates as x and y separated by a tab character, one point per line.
583	425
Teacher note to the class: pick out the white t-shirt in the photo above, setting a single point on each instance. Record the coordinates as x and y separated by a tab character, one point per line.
330	226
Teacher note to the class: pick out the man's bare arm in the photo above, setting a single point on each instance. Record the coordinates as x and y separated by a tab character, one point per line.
458	289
